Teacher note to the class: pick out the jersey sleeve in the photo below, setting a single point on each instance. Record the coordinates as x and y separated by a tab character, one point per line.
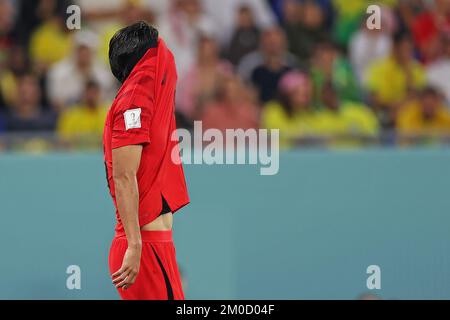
131	126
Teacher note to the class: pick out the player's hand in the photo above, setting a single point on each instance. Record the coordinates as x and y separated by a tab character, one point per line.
126	275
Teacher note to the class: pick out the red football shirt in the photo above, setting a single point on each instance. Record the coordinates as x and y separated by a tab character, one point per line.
143	113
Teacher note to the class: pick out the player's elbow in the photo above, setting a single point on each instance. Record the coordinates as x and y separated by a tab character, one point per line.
124	177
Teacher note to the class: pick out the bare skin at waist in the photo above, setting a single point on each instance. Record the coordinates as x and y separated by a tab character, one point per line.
162	223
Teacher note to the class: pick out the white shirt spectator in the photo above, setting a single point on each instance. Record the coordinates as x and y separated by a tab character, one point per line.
367	46
181	36
438	75
67	80
66	83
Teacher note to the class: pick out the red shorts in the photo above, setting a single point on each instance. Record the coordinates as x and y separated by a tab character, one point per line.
158	277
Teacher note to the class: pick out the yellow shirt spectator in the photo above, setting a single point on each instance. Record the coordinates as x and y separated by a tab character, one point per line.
8	87
49	43
389	81
299	124
351	119
413	121
81	121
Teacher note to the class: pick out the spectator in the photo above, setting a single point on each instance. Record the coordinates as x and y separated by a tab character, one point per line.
265	67
304	26
51	41
349	15
6	24
426	115
67	79
6	43
199	84
428	26
245	38
407	10
181	28
394	79
346	118
16	65
328	12
85	120
438	72
223	13
325	5
291	113
368	45
27	114
232	107
32	14
329	66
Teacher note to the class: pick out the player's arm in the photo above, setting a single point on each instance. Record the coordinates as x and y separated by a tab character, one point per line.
126	162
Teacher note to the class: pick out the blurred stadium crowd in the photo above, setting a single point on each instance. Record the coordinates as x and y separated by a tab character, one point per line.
311	68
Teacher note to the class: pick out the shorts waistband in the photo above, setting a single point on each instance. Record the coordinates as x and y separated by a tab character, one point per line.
150	236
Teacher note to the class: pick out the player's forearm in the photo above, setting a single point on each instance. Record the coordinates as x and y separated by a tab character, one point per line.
127	197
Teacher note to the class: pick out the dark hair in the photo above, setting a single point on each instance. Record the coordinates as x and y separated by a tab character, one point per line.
325	44
28	75
430	91
400	36
285	103
92	84
245	9
128	46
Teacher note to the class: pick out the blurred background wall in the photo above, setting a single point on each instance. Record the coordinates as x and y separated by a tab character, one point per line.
309	232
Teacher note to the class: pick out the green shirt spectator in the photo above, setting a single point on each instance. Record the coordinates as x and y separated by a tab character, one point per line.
329	66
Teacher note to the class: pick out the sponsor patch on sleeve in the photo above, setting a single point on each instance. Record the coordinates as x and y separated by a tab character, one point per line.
132	118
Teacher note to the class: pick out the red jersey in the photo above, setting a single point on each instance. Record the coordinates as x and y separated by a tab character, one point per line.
143	113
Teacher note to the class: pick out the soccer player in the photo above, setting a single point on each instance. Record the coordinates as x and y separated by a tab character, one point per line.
144	171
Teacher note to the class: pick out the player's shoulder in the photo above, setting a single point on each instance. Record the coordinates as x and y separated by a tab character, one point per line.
131	99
